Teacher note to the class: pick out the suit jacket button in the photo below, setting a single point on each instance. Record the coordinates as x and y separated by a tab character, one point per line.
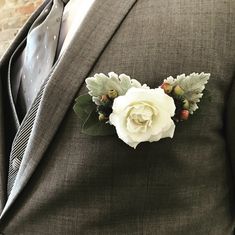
16	164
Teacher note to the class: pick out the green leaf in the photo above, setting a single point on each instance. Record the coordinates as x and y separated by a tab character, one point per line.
84	106
85	109
94	127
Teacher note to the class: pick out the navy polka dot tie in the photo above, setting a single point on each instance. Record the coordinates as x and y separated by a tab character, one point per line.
40	53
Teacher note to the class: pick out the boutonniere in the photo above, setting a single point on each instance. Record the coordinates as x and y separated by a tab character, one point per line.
136	112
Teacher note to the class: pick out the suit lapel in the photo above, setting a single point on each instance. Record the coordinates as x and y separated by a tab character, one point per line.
3	165
66	79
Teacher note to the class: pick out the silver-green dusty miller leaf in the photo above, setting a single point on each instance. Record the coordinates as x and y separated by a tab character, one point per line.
101	84
193	85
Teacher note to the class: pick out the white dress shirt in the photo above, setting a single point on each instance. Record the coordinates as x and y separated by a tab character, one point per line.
75	12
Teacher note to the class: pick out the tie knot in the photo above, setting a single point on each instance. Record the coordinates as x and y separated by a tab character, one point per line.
65	1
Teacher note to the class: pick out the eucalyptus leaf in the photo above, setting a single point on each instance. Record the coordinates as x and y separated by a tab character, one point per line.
83	106
92	126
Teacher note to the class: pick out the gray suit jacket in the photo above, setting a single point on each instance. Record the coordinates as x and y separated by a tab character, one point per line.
71	183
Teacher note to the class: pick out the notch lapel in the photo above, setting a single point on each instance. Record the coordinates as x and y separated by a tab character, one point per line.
65	80
3	165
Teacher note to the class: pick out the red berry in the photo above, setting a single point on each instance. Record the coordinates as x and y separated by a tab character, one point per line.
167	87
184	115
104	98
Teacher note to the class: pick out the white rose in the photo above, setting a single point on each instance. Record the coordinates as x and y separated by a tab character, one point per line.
143	114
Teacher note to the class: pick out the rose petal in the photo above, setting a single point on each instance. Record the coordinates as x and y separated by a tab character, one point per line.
162	122
165	101
120	125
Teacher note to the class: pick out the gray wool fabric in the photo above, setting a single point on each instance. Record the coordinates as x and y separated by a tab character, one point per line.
71	183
